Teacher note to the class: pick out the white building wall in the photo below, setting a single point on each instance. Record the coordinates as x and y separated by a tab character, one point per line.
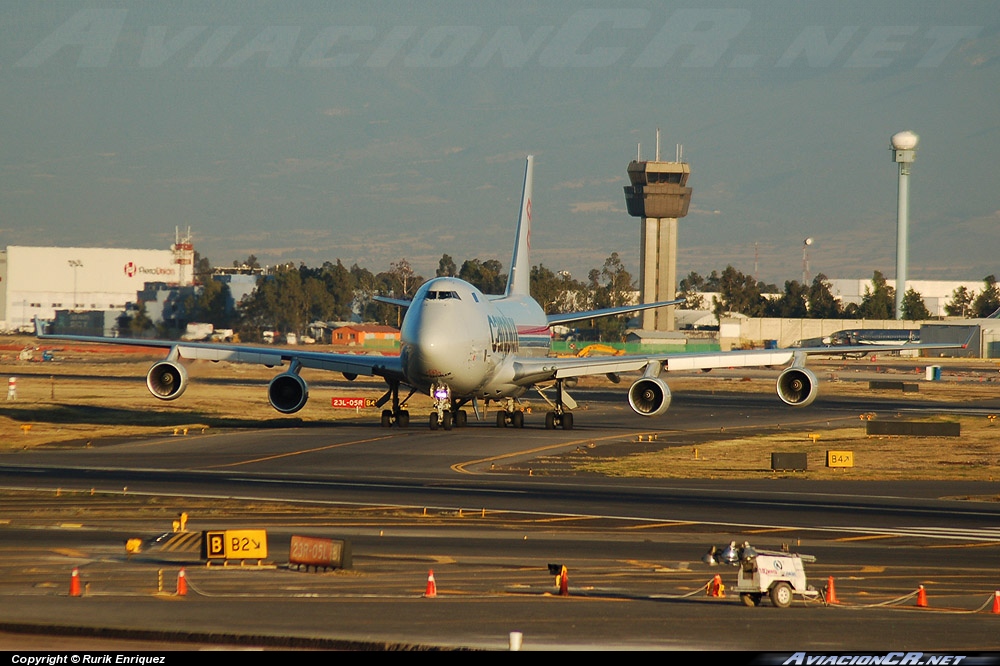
936	293
41	280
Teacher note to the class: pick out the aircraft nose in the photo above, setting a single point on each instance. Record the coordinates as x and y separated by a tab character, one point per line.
433	344
437	342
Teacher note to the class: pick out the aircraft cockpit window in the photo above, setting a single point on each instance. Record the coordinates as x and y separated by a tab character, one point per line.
441	295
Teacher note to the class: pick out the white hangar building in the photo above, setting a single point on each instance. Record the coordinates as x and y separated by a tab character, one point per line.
37	281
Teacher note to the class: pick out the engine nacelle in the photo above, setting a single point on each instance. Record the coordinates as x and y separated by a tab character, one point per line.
167	380
287	393
797	386
649	396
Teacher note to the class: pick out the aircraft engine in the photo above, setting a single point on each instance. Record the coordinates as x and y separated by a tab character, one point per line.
167	380
797	386
287	393
649	396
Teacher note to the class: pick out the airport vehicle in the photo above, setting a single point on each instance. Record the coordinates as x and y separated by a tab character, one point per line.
777	574
462	346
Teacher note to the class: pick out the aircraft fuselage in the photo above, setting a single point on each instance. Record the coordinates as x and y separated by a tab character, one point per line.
454	335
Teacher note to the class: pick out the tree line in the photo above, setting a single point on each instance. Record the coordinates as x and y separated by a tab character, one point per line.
288	298
742	294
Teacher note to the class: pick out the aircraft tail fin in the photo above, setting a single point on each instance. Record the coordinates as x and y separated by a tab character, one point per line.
519	278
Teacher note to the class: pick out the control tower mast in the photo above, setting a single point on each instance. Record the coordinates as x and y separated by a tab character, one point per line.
659	195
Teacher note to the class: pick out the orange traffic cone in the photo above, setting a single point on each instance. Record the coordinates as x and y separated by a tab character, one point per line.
921	597
563	583
74	583
996	601
831	595
432	590
182	584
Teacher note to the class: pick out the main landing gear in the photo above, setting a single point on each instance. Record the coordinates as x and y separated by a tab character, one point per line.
510	415
397	415
555	420
559	417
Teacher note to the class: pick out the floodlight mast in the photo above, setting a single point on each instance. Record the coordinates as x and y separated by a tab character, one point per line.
903	147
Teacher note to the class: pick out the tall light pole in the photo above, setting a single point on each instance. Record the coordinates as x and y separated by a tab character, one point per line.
75	264
805	261
904	146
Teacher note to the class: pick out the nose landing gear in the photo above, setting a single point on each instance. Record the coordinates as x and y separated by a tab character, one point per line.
446	412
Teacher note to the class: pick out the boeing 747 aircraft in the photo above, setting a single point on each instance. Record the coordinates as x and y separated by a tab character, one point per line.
461	346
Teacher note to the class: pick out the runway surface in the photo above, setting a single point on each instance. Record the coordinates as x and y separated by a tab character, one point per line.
469	511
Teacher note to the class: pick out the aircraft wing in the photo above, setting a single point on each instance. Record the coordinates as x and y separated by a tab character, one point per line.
401	302
350	364
528	370
555	319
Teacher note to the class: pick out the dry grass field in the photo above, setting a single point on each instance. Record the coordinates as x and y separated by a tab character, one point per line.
91	393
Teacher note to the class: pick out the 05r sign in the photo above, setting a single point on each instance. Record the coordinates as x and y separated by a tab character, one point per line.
235	545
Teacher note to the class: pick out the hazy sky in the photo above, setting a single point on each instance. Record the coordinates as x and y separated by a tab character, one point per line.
367	132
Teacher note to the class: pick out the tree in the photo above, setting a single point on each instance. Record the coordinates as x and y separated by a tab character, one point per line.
137	325
689	289
792	303
739	293
202	269
914	307
278	301
486	276
320	304
619	282
368	286
556	293
250	262
879	302
988	300
961	302
820	300
404	280
617	289
341	285
446	267
210	304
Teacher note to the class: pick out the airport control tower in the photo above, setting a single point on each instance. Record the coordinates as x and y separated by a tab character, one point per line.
659	195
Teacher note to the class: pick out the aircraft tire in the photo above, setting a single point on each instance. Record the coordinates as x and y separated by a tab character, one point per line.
404	418
567	421
517	419
501	419
446	421
550	420
434	421
386	418
461	418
